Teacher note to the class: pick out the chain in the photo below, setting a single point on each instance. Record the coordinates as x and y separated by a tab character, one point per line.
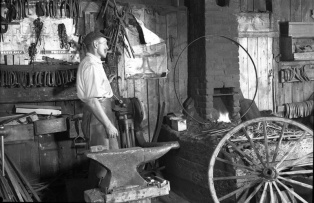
38	26
63	36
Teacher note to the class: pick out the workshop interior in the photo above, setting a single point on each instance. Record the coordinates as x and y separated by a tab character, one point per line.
213	101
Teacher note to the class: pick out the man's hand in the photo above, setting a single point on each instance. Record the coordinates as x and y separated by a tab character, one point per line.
112	131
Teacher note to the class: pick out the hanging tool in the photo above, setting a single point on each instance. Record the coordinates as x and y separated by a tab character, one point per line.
79	141
4	28
121	23
103	10
63	36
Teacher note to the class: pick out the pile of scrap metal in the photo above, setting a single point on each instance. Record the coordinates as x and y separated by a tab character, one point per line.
14	185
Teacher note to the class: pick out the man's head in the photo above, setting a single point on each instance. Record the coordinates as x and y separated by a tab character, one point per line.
96	43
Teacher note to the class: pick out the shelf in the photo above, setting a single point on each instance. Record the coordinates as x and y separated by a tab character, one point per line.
295	63
297	29
38	67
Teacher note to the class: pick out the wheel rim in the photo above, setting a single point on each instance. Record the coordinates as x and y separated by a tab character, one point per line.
260	154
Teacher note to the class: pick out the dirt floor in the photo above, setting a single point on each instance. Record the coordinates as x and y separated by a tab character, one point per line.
171	198
75	189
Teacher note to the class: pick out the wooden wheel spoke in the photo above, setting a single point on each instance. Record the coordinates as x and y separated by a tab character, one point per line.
290	151
297	161
272	197
296	172
304	164
266	143
264	193
280	194
254	192
239	190
265	168
279	142
292	192
242	153
236	177
296	182
243	195
236	165
253	146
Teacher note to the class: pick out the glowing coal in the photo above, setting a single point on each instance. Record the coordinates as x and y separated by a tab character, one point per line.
224	117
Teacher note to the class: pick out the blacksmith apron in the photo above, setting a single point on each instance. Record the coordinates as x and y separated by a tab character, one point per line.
97	135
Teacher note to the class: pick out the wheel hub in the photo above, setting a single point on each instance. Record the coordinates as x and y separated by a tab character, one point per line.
270	173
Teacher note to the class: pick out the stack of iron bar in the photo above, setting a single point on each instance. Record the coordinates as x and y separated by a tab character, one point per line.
14	187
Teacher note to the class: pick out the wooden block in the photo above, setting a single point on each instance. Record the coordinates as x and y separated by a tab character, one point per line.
133	194
50	126
281	109
19	132
37	106
38	111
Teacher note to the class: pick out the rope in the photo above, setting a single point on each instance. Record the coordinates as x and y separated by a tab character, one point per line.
175	67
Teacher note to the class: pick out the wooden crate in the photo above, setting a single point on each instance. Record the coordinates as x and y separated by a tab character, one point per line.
297	29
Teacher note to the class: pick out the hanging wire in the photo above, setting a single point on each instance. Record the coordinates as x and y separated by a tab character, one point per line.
175	67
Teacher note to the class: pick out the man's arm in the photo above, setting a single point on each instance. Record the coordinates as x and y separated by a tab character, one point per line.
94	105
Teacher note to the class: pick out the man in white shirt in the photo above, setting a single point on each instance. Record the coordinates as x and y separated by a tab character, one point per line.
94	89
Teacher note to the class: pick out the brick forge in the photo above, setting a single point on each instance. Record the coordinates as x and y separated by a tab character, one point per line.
213	61
213	79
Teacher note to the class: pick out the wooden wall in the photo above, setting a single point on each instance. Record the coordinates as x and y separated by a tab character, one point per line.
294	11
262	43
59	155
255	36
153	92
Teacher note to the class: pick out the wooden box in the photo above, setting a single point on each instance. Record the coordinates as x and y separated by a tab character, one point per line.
298	49
51	126
297	29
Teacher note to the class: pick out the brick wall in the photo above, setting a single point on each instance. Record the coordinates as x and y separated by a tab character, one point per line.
213	61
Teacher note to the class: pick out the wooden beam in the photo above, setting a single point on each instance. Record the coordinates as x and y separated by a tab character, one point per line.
40	94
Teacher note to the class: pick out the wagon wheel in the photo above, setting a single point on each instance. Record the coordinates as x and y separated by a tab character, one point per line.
263	158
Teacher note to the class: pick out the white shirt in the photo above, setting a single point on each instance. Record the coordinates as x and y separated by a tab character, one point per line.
91	79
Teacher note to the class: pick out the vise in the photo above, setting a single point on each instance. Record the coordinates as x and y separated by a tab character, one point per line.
126	184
